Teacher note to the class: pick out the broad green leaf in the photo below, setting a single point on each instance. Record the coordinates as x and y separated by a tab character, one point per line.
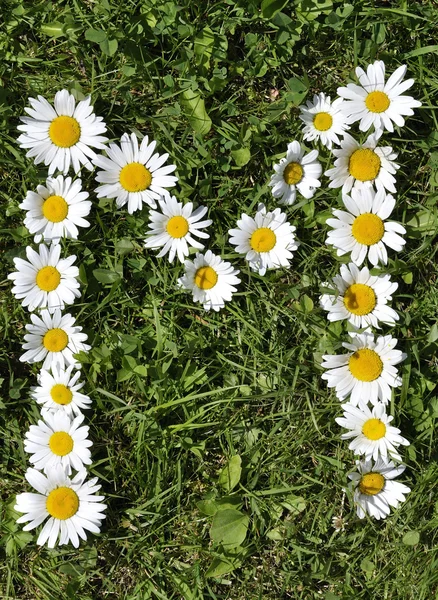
124	246
106	276
229	477
241	156
421	51
222	565
425	221
298	90
54	30
203	46
95	35
367	566
207	507
271	7
229	528
194	107
109	47
411	538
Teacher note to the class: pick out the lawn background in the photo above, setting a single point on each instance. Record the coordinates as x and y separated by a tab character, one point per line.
178	392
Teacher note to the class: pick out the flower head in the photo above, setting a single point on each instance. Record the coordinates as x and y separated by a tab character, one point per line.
376	103
62	136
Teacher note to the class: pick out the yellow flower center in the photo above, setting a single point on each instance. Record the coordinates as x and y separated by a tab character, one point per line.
48	279
61	443
64	131
293	173
377	102
61	394
62	503
374	429
55	340
360	299
135	177
372	483
364	164
177	227
205	278
263	239
322	121
365	365
368	229
55	209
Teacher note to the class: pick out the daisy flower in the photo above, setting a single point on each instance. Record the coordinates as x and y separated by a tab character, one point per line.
174	227
58	391
210	279
58	440
296	172
375	102
62	135
71	506
133	175
45	280
367	371
56	210
374	488
362	165
323	120
363	230
361	298
373	436
54	339
267	240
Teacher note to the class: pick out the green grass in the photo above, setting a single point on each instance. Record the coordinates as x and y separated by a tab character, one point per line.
176	391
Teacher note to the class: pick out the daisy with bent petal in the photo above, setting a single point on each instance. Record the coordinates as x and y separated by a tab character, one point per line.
363	165
375	102
363	230
211	280
267	240
367	372
133	175
62	135
45	280
53	339
296	172
374	488
361	298
71	506
373	436
58	440
56	210
323	120
58	391
174	227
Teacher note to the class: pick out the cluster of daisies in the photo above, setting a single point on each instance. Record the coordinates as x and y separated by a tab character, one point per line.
46	282
63	137
364	376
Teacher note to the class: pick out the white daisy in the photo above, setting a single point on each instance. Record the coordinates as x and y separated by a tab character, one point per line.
374	488
56	210
173	229
296	172
54	339
363	230
58	440
323	120
267	240
362	165
45	280
367	372
58	391
361	298
133	175
70	504
373	436
375	102
62	135
210	279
